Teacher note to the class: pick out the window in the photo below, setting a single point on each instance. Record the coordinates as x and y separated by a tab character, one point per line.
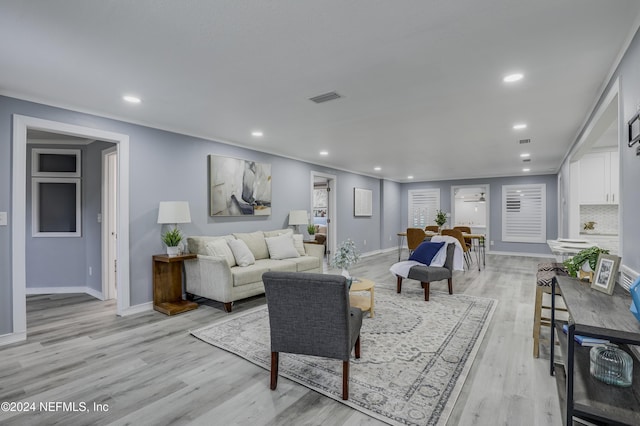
423	205
55	162
524	212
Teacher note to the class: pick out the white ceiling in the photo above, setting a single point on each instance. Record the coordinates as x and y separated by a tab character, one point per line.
421	80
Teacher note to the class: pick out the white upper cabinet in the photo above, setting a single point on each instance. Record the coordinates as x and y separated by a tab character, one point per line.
599	178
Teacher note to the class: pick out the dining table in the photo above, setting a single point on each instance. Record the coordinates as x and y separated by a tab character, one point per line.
477	243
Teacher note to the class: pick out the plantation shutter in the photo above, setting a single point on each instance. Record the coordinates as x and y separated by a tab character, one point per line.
524	213
423	205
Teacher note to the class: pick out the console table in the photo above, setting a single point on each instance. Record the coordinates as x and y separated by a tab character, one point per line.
167	284
594	314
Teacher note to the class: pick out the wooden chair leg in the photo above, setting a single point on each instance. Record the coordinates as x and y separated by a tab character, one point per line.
345	380
274	370
450	281
399	284
227	306
537	314
358	347
426	291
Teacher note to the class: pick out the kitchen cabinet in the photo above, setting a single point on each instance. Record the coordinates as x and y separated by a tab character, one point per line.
600	178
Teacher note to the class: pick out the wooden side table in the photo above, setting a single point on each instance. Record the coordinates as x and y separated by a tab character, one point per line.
167	284
363	302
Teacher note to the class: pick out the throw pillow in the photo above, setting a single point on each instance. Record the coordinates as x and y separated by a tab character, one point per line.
426	252
220	248
241	252
255	242
281	247
298	243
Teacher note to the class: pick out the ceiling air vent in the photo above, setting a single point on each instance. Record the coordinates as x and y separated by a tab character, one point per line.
526	160
522	141
325	97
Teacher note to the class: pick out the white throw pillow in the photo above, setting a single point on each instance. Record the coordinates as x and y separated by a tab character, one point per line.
281	247
440	257
298	243
220	248
241	252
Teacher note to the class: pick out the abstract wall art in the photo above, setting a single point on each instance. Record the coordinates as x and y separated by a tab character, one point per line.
239	187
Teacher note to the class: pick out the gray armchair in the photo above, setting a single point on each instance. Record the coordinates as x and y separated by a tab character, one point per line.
426	274
309	314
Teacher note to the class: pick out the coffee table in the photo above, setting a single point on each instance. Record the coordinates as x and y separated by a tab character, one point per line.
365	303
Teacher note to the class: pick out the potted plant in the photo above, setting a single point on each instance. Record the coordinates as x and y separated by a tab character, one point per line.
441	218
172	239
587	257
346	255
311	229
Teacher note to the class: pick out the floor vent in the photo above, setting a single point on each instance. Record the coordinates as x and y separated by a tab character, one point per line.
627	277
325	97
523	141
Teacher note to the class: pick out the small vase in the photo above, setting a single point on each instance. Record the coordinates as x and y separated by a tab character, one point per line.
611	365
345	273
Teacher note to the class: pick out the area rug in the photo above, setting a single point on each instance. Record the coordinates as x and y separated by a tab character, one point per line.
415	355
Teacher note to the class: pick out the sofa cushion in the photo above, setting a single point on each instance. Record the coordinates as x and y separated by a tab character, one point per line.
282	265
305	263
256	243
250	274
221	248
277	232
242	254
198	244
298	243
281	247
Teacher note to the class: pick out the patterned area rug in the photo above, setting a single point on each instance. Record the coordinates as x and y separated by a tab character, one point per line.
415	355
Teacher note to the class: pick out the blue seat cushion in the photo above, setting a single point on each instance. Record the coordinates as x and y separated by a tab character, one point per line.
426	251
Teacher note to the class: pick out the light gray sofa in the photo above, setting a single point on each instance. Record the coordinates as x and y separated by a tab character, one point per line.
211	276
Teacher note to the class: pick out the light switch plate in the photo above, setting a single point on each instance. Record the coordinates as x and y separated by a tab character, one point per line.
3	218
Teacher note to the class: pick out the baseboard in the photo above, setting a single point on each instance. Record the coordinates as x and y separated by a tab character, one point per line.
136	309
65	290
7	339
515	253
370	253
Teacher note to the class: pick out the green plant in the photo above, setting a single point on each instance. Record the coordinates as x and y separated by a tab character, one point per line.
346	255
172	238
311	229
573	264
441	218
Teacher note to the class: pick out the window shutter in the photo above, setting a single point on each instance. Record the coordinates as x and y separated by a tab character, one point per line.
423	204
524	213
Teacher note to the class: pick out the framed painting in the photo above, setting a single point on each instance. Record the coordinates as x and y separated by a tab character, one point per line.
362	202
606	271
239	187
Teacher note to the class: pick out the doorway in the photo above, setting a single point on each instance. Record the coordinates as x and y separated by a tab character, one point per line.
470	207
18	210
109	223
324	207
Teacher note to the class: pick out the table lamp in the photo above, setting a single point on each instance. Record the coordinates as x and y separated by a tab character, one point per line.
298	217
174	212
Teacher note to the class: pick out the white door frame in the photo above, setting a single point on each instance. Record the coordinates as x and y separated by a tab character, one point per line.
108	190
487	206
18	209
332	231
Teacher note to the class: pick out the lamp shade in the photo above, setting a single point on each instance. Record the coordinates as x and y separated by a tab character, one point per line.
298	217
174	212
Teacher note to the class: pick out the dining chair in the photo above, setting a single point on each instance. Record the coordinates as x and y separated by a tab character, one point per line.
455	233
432	228
415	236
465	230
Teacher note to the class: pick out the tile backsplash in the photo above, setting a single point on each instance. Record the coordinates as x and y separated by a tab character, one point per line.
604	215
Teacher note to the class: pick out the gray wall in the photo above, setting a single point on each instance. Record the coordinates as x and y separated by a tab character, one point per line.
391	222
628	72
495	200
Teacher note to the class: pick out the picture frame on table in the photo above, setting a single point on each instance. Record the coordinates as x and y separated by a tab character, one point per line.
606	271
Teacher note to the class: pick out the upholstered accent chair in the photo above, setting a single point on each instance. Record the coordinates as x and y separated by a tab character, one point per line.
426	274
309	314
415	236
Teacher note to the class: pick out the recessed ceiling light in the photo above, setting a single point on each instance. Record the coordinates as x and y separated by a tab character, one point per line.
257	134
131	99
410	177
526	170
377	168
519	126
525	155
324	152
512	78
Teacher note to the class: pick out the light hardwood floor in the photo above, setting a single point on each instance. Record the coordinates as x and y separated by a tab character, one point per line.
147	369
